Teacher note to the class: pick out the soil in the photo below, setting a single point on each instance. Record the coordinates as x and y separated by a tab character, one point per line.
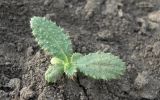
127	28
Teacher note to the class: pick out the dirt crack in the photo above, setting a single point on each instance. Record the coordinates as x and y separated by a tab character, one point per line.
83	88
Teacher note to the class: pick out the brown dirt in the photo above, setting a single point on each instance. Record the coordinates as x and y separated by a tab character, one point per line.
127	28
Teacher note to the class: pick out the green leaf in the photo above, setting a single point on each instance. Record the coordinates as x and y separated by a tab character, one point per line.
75	57
70	69
53	73
101	65
51	37
55	61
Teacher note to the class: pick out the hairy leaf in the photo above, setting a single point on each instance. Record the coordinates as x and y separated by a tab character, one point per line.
56	60
51	37
101	65
53	73
70	70
75	57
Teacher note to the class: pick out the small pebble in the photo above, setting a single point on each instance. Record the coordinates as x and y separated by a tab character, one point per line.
141	80
14	83
47	2
26	93
105	35
154	16
156	48
30	51
51	15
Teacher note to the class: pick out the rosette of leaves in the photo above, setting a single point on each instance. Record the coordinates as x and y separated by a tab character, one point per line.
53	39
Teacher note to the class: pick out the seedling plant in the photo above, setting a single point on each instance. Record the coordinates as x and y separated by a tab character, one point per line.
56	42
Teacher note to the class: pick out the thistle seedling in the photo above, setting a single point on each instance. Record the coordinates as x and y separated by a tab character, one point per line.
53	39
